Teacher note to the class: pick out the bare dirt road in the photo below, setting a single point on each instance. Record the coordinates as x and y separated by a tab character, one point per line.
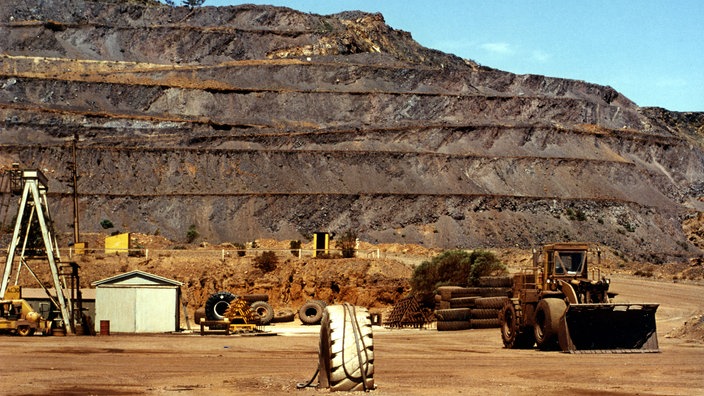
408	361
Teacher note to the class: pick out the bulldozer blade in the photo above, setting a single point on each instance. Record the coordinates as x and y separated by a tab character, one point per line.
609	328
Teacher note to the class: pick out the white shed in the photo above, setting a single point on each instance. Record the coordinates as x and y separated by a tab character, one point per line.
138	302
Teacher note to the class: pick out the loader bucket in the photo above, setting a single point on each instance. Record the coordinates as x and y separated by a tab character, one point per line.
609	328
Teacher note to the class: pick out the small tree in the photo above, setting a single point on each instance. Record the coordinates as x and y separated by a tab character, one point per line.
347	244
267	261
240	248
192	234
105	223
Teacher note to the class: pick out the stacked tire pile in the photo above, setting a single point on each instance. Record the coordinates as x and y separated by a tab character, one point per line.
478	307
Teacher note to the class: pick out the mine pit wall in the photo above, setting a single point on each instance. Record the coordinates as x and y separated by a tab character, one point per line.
278	124
235	196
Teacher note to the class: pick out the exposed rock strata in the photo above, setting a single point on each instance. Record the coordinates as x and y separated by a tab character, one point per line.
254	122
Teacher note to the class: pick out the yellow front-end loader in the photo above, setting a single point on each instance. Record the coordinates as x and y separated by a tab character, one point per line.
561	304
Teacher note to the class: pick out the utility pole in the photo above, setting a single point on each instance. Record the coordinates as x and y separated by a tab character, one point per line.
74	172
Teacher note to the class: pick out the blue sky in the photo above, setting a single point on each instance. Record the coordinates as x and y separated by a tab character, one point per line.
650	51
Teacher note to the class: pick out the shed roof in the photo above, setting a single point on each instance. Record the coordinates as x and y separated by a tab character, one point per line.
137	278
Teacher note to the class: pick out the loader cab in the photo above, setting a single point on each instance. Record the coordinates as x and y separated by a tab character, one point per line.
566	260
569	263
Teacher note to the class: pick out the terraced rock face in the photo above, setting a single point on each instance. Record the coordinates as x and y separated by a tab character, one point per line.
256	121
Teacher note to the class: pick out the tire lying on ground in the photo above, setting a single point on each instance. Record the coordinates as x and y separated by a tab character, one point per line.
264	310
485	313
198	314
311	312
283	316
491	302
454	325
452	314
346	349
485	323
217	304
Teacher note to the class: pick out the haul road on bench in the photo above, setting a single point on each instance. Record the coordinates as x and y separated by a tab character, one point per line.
557	304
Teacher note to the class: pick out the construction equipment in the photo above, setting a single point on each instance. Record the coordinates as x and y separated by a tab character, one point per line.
33	208
237	318
18	317
561	303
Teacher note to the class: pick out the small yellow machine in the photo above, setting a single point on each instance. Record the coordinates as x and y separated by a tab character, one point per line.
18	317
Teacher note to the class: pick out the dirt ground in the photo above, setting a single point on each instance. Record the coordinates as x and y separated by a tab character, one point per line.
408	361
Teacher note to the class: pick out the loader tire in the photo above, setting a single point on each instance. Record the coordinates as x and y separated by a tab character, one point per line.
346	349
453	314
217	304
491	302
453	325
548	314
264	310
311	312
513	335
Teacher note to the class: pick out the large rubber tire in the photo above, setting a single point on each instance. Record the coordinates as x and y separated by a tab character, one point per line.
217	304
198	314
495	281
264	310
463	302
454	325
513	335
548	314
284	316
485	313
453	314
311	312
495	292
494	323
346	349
491	302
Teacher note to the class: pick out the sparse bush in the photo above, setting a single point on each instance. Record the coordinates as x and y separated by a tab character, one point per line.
240	248
347	244
266	262
295	246
192	234
105	223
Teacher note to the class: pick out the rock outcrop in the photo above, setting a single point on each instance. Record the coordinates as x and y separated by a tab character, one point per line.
263	122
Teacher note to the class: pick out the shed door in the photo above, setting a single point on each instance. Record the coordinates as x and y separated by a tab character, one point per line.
155	310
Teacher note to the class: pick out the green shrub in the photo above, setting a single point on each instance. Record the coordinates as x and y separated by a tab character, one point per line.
266	262
192	234
456	268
